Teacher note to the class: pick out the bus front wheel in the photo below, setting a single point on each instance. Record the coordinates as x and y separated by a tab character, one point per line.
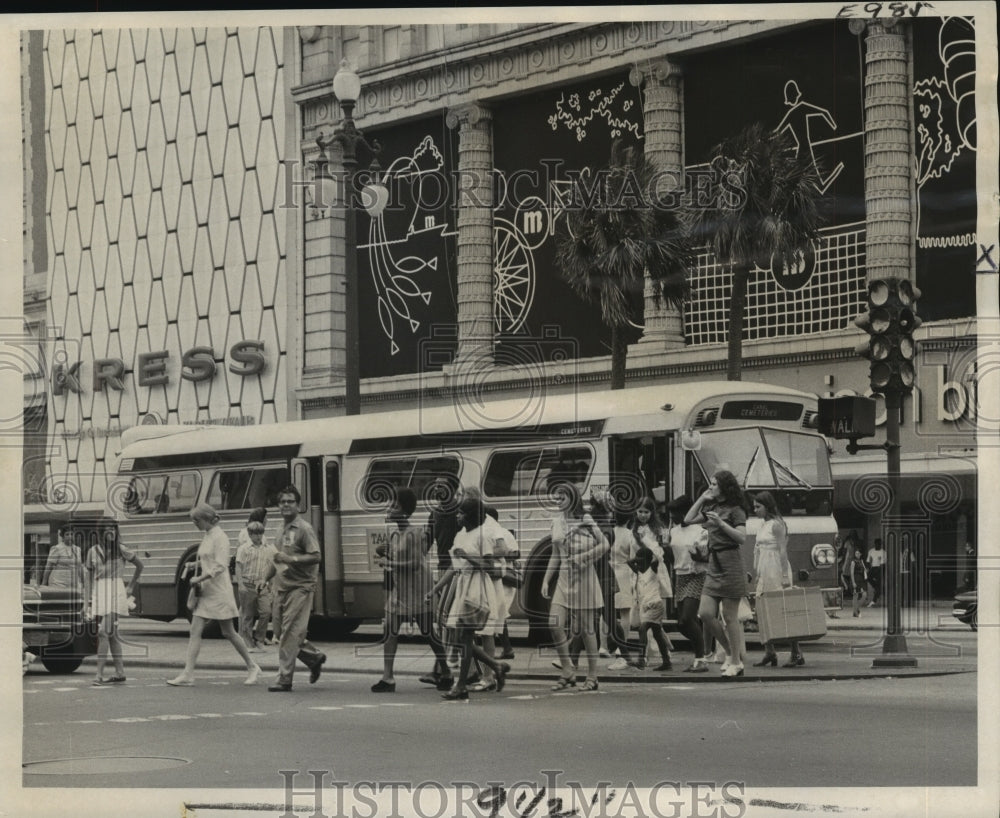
61	660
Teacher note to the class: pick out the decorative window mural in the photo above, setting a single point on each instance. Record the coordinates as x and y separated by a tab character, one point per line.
406	256
822	109
540	141
945	117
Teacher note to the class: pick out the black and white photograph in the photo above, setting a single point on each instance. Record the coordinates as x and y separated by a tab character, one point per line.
516	412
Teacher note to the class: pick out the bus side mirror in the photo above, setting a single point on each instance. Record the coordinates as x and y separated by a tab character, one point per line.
691	440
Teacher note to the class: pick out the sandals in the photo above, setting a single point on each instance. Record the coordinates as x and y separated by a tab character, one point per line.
110	680
589	686
564	683
483	686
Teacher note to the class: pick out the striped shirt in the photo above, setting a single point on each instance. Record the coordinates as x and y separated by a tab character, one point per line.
254	561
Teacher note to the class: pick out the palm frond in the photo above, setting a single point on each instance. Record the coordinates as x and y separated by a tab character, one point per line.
607	246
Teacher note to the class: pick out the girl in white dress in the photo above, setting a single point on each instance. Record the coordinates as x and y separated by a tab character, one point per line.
475	605
771	565
104	586
215	596
576	542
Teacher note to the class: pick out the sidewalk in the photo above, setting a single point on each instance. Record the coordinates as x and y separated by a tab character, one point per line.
845	653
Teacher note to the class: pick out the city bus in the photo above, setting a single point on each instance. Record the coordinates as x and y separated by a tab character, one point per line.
658	440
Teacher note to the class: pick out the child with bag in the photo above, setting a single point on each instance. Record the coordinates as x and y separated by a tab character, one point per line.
648	607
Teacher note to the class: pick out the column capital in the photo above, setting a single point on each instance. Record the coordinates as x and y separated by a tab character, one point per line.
655	71
471	113
859	26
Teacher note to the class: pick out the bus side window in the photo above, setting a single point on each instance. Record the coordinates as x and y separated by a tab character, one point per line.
228	490
183	491
382	479
143	494
265	483
568	465
428	468
511	473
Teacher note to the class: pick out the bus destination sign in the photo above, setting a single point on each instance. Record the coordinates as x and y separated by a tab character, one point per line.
775	410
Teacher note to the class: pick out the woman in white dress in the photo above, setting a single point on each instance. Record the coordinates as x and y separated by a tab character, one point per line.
104	587
474	604
576	542
215	598
771	565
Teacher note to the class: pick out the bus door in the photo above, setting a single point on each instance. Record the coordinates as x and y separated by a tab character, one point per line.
306	479
645	459
333	557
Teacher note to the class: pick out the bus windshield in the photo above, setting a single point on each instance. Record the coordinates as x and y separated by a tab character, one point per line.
792	465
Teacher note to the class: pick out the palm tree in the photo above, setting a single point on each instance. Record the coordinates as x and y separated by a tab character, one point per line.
619	227
765	196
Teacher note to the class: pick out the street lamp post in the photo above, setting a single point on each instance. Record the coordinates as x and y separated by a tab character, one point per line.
347	89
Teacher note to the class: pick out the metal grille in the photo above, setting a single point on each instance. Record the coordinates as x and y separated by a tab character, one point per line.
830	300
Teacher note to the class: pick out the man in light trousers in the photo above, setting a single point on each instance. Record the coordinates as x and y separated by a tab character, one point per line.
298	551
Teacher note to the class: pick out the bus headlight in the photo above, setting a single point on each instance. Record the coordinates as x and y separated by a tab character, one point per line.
823	554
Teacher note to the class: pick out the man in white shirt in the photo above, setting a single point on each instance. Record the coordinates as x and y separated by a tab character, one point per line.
876	563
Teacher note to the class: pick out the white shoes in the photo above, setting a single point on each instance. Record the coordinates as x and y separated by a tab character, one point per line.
618	664
732	670
181	681
252	675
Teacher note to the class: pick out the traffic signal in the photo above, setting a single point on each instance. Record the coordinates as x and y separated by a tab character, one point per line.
890	321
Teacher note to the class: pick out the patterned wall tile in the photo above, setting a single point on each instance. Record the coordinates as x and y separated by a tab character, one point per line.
163	151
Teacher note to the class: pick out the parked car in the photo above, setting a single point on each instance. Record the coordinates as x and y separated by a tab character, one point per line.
54	628
965	608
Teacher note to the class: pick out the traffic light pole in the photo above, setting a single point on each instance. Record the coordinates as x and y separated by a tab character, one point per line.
894	649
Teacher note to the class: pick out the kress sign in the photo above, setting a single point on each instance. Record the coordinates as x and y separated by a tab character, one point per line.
246	358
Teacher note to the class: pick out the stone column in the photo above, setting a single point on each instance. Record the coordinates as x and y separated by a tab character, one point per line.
475	232
890	191
663	110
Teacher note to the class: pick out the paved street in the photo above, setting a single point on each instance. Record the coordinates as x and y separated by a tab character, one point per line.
833	723
905	732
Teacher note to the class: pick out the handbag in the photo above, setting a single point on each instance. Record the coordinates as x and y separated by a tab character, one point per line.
194	594
744	612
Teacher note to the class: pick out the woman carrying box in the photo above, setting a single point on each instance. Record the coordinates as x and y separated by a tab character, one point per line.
771	565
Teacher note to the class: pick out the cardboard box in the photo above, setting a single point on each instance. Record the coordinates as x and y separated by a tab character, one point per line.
792	613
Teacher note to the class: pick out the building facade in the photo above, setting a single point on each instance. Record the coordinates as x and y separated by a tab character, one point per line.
155	246
192	277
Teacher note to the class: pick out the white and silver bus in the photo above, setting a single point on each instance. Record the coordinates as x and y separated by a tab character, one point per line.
661	440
